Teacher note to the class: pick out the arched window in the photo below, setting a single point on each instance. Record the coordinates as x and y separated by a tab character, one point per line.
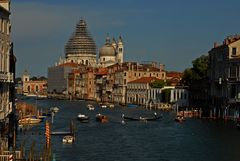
86	62
28	88
36	88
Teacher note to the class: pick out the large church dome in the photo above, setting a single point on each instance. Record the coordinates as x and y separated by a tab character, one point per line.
107	49
81	42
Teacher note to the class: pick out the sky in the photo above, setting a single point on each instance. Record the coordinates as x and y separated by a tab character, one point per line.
171	32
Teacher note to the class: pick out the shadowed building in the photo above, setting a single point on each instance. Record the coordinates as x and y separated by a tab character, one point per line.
7	75
224	74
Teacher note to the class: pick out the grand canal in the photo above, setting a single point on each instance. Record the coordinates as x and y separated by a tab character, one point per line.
162	140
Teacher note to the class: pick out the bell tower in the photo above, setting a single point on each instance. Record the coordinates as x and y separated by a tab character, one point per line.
120	50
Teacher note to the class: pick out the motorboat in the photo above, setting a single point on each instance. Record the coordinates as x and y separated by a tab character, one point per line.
101	118
82	118
179	119
68	139
29	120
90	107
111	105
103	106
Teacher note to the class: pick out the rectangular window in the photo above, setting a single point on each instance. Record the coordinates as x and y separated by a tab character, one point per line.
234	51
125	81
233	71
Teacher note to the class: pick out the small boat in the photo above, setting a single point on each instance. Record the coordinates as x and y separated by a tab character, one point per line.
111	105
103	106
132	105
179	119
68	139
90	107
29	120
82	118
155	117
101	118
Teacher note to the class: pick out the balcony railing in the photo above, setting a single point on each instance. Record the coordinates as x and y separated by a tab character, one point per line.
6	77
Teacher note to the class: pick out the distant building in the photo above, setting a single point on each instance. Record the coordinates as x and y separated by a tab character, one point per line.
179	96
140	92
174	78
111	53
58	77
121	74
81	48
33	87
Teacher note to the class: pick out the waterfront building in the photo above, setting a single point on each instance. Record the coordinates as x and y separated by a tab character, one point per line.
7	76
140	91
86	84
224	73
33	87
73	86
130	71
174	78
81	48
102	93
111	53
58	78
179	96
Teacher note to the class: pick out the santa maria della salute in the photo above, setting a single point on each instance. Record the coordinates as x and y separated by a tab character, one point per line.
81	49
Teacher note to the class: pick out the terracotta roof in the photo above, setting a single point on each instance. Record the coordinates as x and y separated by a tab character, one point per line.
173	74
145	80
102	71
227	41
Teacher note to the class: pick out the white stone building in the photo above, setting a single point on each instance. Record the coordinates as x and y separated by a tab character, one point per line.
111	53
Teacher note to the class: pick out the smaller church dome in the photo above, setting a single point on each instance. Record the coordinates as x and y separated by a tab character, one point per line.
107	49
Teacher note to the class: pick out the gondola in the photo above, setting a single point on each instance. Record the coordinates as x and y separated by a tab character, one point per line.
142	118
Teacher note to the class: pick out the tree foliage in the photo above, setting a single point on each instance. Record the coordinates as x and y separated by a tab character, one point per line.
197	72
158	84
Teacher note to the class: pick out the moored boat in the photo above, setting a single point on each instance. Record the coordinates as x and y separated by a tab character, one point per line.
29	120
101	118
68	139
90	107
179	119
82	118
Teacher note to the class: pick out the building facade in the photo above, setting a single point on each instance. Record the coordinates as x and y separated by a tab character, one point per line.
224	73
33	87
7	76
111	53
58	78
140	92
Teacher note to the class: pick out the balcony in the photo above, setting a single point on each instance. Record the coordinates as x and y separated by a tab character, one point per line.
6	77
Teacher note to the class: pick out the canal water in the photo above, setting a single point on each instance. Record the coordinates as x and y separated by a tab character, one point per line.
162	140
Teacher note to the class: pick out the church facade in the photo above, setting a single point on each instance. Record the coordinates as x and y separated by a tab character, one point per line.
111	52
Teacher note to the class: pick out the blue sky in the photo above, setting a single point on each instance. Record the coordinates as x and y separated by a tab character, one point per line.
171	32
